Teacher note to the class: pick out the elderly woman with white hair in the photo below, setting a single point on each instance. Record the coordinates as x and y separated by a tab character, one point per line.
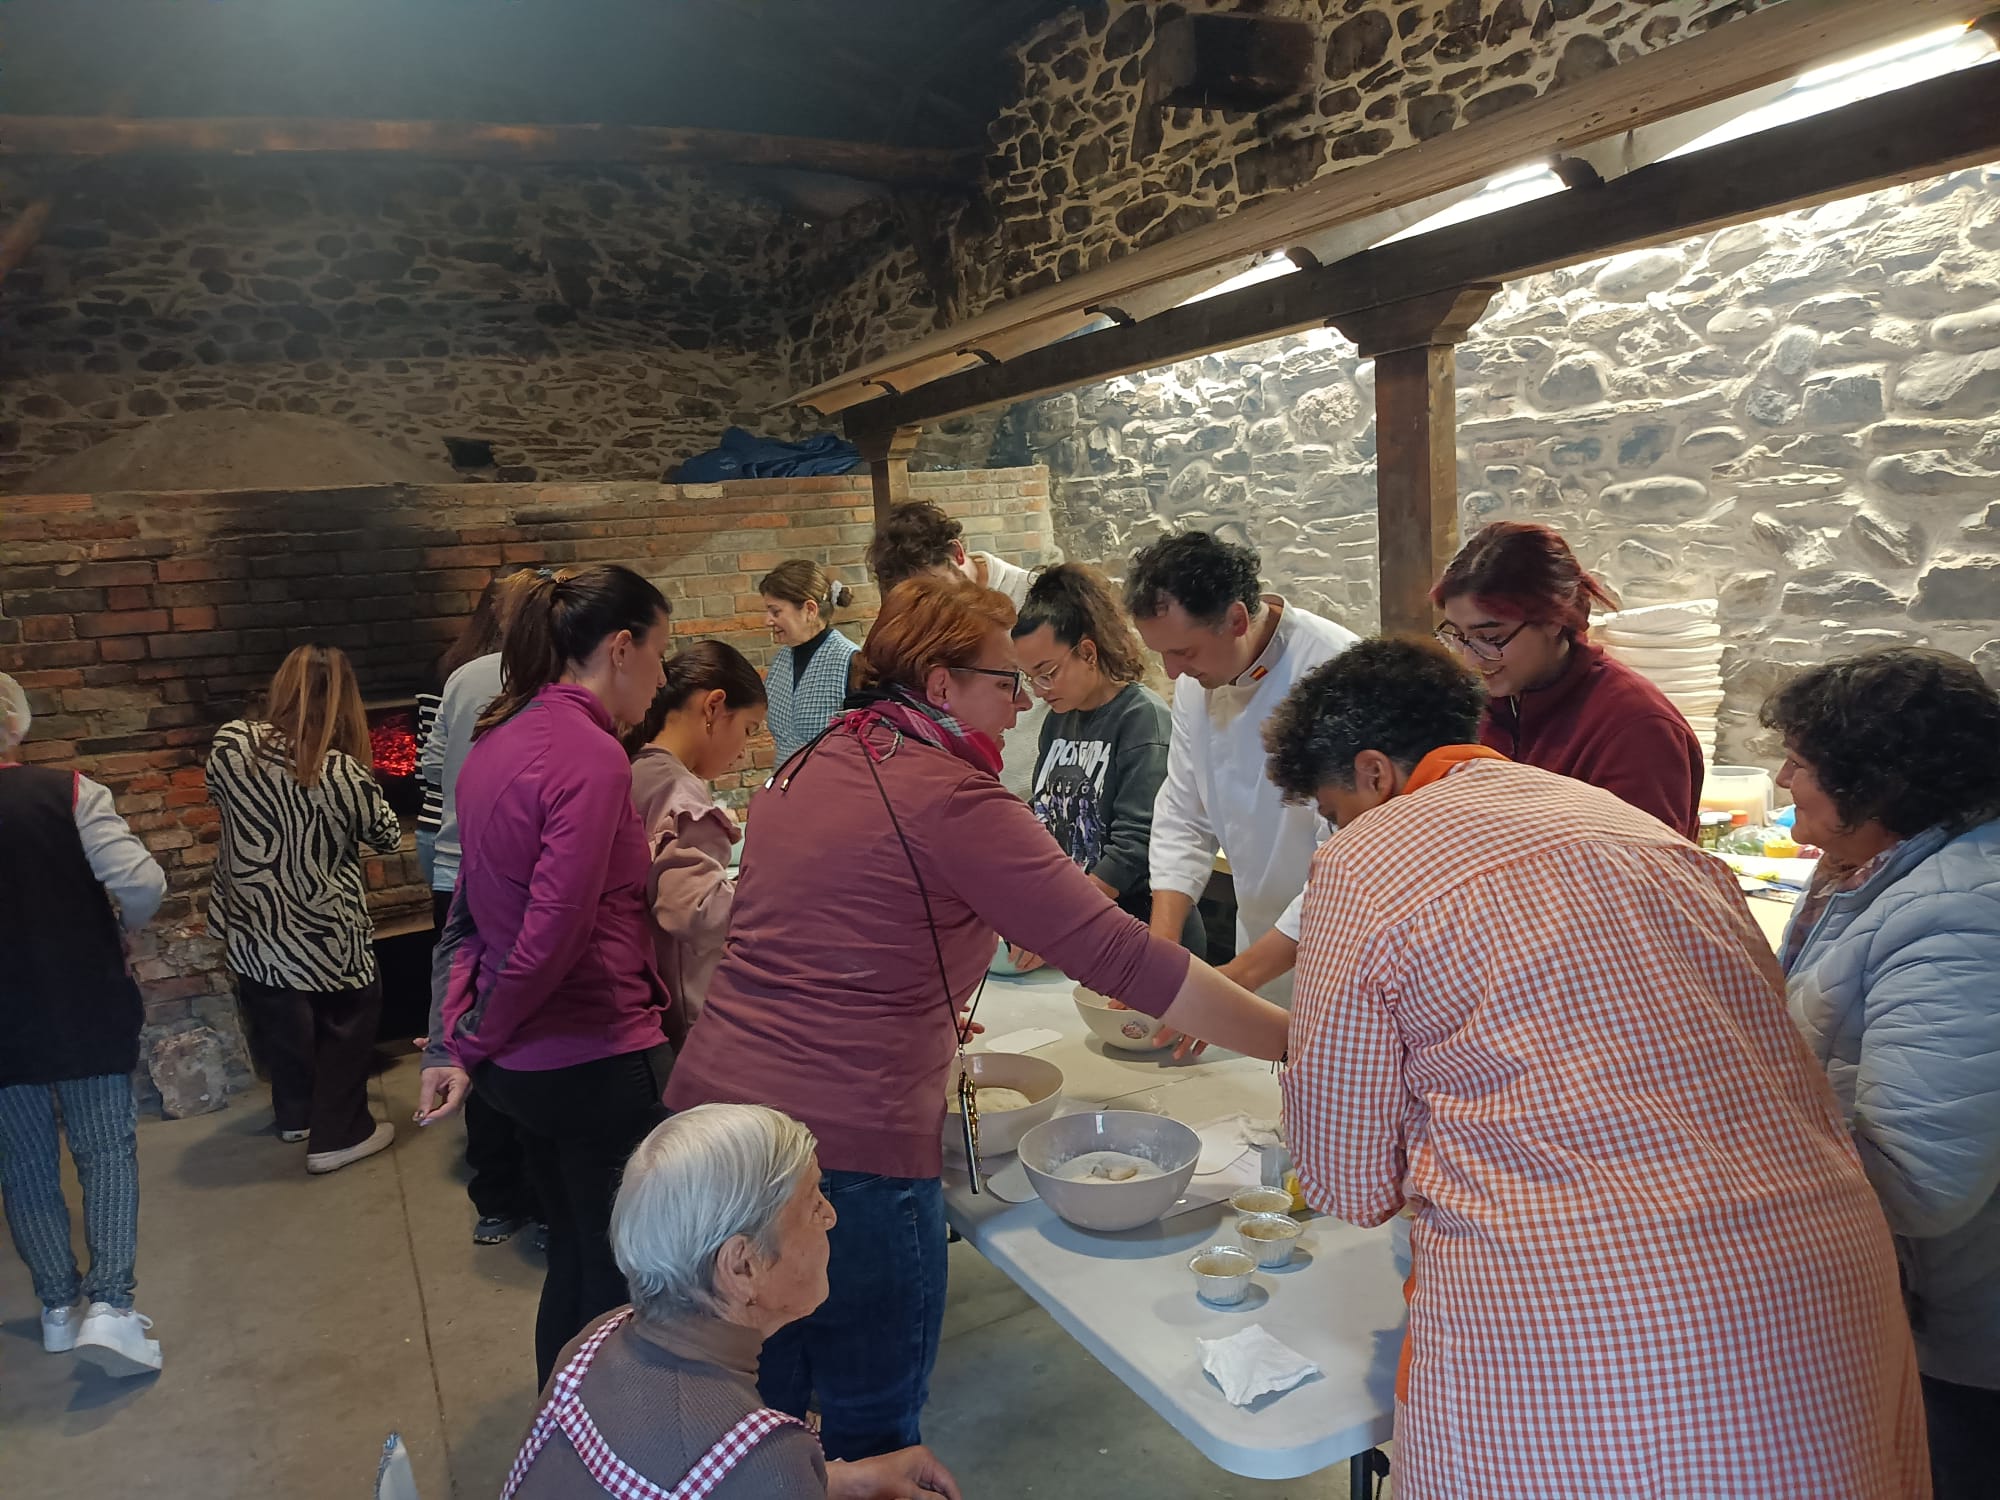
69	1039
720	1229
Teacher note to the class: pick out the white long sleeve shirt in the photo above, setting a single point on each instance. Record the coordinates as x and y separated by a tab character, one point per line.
118	858
1010	579
466	695
1216	794
1018	749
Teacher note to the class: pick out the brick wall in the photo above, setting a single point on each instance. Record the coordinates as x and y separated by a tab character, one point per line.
137	623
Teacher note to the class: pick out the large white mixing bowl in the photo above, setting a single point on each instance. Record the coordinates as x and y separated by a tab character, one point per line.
1168	1144
1000	1130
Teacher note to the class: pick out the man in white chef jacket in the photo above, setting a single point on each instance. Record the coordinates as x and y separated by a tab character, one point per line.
1233	653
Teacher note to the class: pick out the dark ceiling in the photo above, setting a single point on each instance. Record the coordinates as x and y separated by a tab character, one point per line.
904	72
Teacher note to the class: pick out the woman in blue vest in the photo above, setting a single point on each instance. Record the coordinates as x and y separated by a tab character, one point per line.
807	680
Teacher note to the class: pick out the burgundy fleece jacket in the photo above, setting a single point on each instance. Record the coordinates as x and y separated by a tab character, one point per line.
1603	723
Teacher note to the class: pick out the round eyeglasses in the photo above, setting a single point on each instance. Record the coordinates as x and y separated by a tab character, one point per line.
1047	678
1479	646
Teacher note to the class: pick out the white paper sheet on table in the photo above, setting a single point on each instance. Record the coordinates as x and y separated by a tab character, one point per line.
1009	1181
1222	1141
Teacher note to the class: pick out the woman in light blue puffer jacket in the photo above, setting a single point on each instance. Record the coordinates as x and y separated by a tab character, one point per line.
1893	957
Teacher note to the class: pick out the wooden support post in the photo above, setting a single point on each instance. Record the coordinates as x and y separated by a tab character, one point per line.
1416	442
888	451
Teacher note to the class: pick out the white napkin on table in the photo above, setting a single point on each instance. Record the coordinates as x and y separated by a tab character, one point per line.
1252	1363
1009	1181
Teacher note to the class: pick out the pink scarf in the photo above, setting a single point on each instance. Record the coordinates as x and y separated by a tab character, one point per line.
910	715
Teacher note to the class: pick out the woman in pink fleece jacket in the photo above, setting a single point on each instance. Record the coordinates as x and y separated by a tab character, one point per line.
836	1003
555	1009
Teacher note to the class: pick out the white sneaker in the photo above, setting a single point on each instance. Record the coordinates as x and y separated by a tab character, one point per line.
114	1339
318	1162
293	1137
59	1326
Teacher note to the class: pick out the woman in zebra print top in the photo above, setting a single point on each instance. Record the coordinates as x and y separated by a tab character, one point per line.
298	800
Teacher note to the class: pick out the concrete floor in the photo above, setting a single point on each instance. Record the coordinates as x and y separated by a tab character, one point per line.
303	1319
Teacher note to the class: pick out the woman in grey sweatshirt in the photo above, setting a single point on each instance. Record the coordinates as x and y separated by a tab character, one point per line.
1103	747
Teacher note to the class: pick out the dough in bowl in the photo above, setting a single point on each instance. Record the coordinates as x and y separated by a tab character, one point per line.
995	1101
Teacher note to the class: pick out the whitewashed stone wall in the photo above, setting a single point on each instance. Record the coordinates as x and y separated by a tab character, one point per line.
1800	416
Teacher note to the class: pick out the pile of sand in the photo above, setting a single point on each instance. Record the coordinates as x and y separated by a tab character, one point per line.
236	450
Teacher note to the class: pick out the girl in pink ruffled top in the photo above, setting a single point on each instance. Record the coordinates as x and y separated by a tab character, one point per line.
698	729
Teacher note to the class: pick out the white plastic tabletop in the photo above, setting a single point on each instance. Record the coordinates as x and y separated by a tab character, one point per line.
1129	1298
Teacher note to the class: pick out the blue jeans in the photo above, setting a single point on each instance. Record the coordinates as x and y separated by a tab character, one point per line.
867	1352
99	1118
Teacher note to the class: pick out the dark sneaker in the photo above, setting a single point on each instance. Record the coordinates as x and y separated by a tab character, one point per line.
497	1229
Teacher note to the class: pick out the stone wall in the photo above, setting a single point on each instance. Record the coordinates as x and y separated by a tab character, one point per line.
1800	416
590	323
139	622
1071	184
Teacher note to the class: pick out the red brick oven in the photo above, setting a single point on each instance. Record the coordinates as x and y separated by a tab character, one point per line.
138	622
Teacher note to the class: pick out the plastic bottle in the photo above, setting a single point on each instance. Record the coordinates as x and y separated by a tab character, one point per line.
1742	838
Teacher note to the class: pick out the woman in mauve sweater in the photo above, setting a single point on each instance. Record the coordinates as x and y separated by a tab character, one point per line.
554	1008
1517	611
836	1012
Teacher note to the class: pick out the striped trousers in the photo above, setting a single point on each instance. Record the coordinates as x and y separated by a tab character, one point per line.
98	1117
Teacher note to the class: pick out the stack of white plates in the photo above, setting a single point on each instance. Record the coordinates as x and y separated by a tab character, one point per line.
1678	647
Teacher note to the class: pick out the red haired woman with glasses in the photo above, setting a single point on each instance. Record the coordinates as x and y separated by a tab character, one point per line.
1517	611
886	858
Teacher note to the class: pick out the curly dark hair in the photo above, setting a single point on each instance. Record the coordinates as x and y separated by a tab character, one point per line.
1904	736
1075	601
1197	570
912	539
1404	698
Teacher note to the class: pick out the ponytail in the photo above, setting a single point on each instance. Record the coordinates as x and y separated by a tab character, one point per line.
560	620
703	668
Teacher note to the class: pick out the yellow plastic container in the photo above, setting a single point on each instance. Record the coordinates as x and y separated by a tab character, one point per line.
1298	1192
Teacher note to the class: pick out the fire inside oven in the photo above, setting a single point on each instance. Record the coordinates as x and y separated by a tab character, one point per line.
392	737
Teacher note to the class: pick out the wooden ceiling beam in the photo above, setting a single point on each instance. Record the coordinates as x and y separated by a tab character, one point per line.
1768	47
450	140
1916	132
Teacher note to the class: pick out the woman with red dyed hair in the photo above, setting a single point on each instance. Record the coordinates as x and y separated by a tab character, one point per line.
1517	611
886	858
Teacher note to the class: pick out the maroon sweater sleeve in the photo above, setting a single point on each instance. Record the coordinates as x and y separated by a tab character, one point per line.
1654	763
1033	895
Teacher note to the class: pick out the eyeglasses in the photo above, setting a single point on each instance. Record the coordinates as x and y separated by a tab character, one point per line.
1476	645
1047	679
1012	677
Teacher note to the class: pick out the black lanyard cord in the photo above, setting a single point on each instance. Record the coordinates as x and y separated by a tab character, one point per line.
797	763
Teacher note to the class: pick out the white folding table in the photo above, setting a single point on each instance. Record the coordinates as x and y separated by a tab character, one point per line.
1129	1298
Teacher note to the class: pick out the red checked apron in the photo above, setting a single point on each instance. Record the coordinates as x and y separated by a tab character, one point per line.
614	1476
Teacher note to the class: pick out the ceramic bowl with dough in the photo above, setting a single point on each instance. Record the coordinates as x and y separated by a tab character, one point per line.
1102	1205
1000	1130
1127	1030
